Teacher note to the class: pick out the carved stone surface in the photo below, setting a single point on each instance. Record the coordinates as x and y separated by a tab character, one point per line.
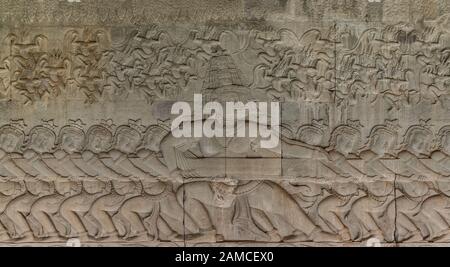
86	151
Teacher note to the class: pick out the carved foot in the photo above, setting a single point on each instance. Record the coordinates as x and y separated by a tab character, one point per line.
25	237
140	237
207	237
345	235
376	234
321	236
274	236
411	237
442	237
106	237
4	236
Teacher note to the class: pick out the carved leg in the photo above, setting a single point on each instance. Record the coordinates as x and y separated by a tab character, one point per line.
171	208
20	225
129	214
269	198
436	223
265	224
327	213
367	221
43	221
76	226
410	231
106	226
200	216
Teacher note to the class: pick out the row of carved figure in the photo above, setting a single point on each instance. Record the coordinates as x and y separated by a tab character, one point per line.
132	150
144	211
401	64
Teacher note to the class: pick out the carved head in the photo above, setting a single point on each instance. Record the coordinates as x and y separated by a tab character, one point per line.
41	139
11	139
345	189
99	139
382	140
68	188
153	137
380	188
444	140
224	193
10	188
127	139
39	187
123	188
345	140
414	188
311	135
94	186
418	140
71	139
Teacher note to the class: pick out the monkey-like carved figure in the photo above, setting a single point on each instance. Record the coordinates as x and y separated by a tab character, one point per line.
73	209
70	143
99	140
370	210
435	212
334	209
409	222
16	211
11	140
9	190
155	213
417	145
344	142
156	209
264	200
46	208
126	142
151	147
41	142
102	207
381	145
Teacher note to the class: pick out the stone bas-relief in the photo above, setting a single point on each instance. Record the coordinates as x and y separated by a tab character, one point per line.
105	183
86	150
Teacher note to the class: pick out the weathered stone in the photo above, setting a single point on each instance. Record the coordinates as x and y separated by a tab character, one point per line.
87	153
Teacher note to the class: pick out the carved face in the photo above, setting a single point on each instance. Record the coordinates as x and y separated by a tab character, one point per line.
345	189
419	143
153	139
42	140
99	140
93	187
415	189
380	188
345	143
123	188
127	142
72	141
38	188
382	143
311	137
9	188
223	194
68	188
9	141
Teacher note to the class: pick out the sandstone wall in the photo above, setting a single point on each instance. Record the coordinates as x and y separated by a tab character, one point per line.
86	151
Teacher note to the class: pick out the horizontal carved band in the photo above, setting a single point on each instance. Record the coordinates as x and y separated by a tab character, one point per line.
133	151
144	211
